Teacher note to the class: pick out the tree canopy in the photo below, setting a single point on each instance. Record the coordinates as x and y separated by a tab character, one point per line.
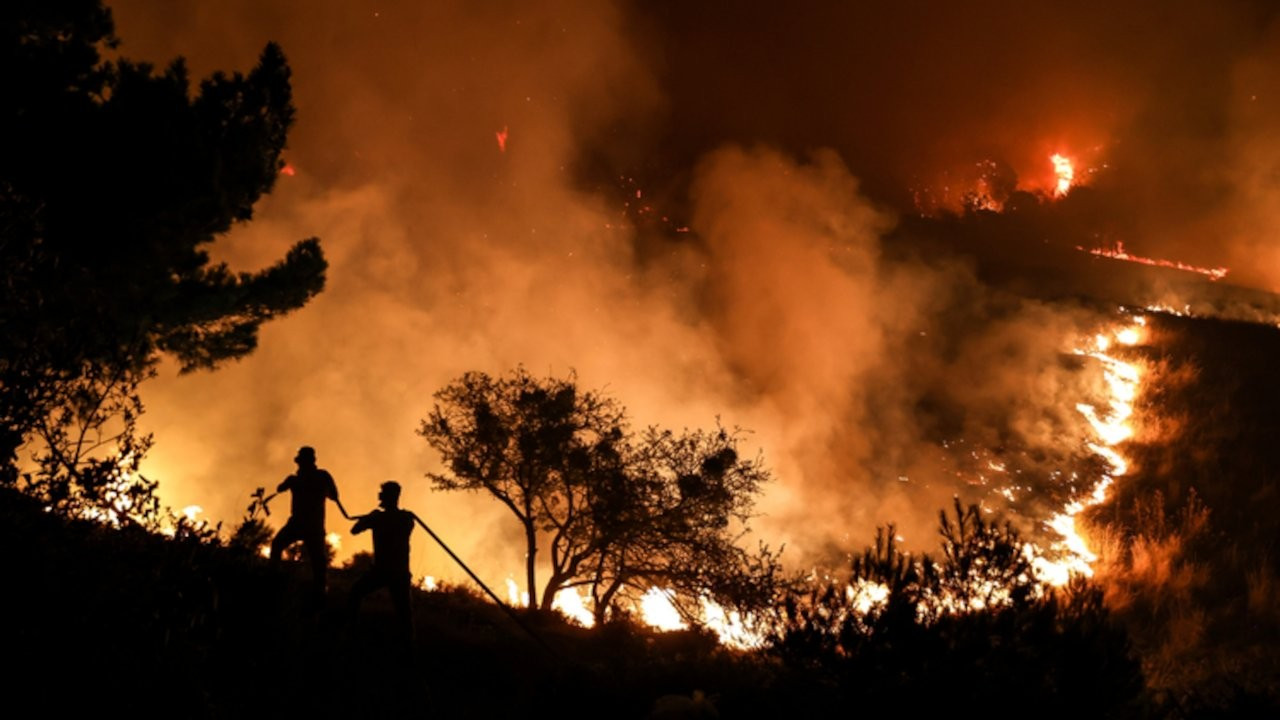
618	513
115	178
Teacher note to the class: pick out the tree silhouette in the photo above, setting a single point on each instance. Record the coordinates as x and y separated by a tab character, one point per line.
683	503
531	444
618	515
114	180
88	452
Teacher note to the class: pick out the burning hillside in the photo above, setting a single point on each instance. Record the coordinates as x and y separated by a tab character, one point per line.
1019	261
476	225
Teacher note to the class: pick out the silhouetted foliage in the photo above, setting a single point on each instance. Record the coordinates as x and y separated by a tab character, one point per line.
253	533
971	629
114	179
173	626
531	444
984	565
87	452
162	626
683	502
619	514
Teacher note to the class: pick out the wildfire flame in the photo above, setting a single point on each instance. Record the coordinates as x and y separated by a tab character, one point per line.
658	611
501	136
515	597
1111	427
866	596
1118	253
1066	172
733	629
573	606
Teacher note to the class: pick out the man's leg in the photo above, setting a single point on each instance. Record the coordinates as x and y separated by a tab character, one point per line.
398	586
318	555
283	539
367	583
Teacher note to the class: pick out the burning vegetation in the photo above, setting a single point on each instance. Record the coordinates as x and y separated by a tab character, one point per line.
1028	378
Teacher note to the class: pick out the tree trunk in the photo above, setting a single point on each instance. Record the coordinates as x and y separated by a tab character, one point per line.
531	560
549	592
602	606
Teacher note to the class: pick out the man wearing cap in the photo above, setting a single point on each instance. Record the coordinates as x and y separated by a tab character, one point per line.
309	487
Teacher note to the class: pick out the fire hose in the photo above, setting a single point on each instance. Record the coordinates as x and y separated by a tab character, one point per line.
505	607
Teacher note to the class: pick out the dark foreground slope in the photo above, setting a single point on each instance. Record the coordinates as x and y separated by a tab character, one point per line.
99	619
95	619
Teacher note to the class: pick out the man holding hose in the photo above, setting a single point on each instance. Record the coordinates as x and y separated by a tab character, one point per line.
391	528
310	487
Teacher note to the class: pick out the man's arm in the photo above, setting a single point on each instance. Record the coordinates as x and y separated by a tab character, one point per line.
363	522
333	495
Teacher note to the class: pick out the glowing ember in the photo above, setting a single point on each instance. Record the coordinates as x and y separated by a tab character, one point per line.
657	609
1119	254
501	135
1066	172
288	170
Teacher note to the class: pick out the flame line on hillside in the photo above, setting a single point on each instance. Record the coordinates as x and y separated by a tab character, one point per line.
1119	253
1110	429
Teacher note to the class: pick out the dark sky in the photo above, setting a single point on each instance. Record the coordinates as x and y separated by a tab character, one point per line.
1169	96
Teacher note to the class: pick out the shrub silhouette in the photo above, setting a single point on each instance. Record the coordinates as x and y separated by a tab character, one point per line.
971	629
